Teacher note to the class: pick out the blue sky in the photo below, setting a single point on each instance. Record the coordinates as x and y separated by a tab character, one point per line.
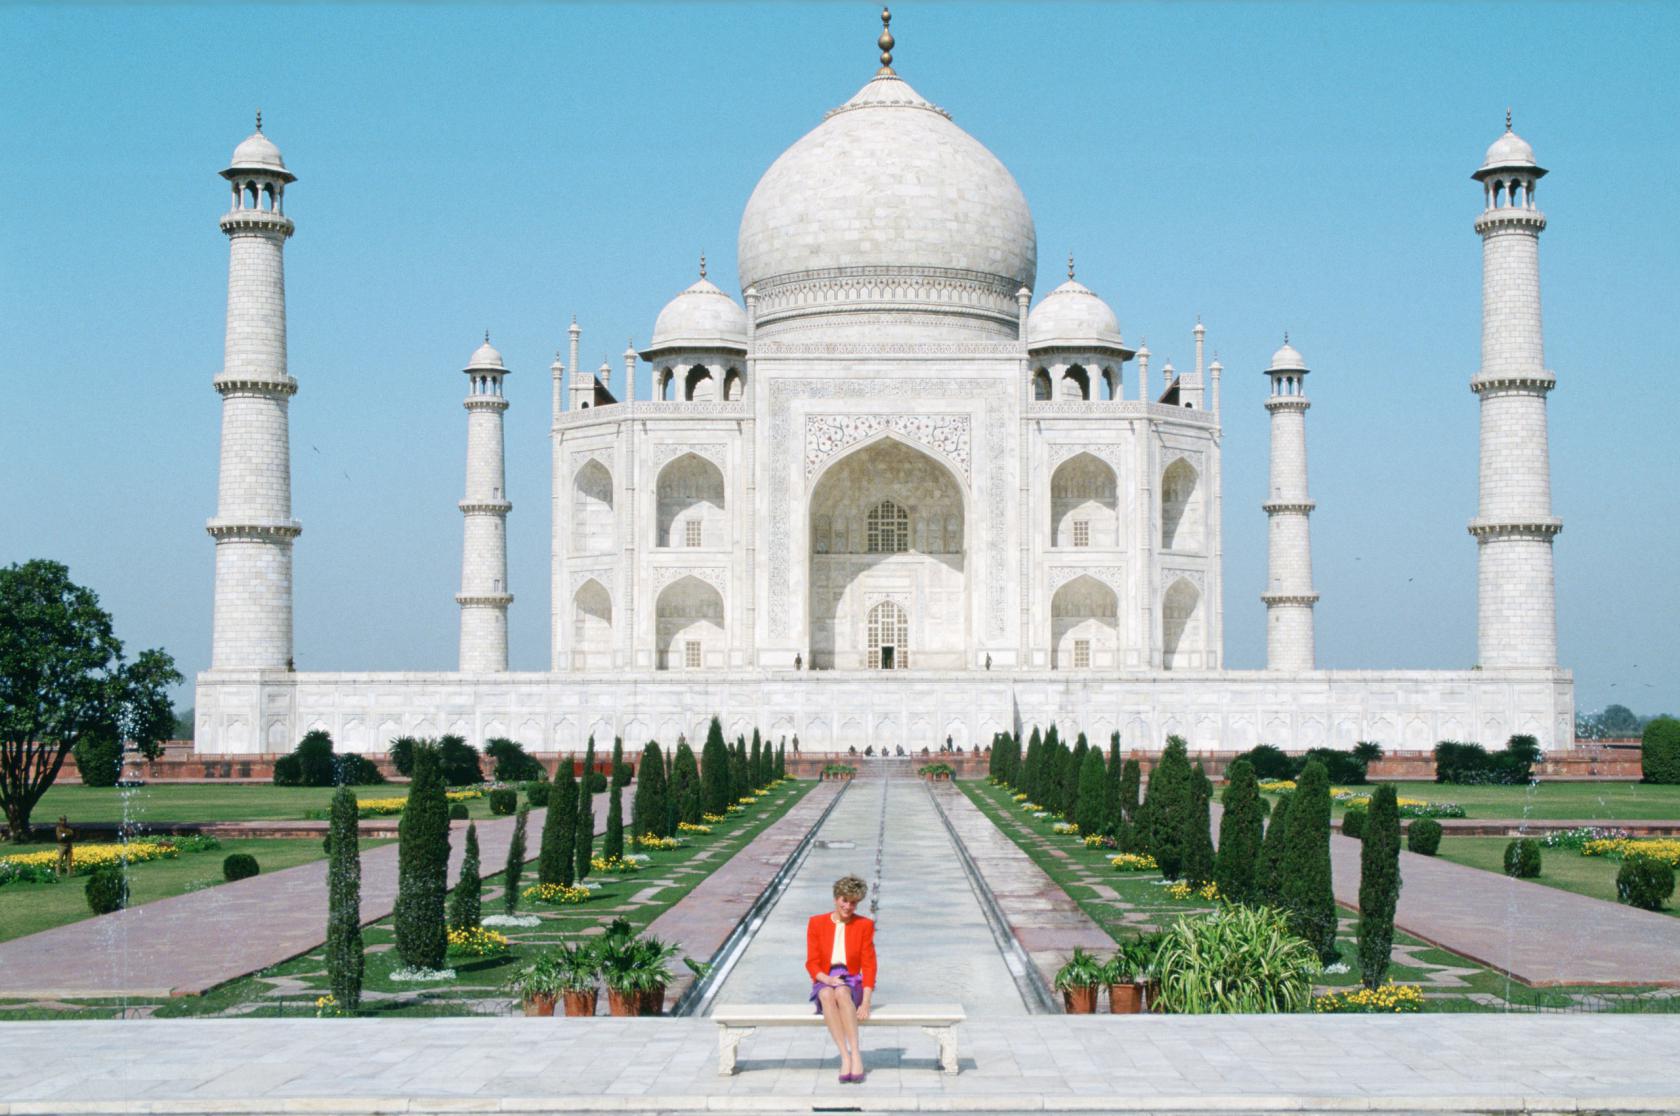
1269	167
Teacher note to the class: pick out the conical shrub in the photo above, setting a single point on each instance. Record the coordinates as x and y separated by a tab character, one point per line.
648	811
1307	895
612	847
1268	871
1379	885
466	903
1090	812
1241	829
345	957
583	838
555	861
714	771
514	869
1165	805
1198	832
423	866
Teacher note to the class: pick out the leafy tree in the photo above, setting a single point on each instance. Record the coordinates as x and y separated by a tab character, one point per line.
1034	766
1268	873
315	758
781	760
1198	831
760	775
555	860
1090	813
459	761
714	770
583	844
1165	805
1619	720
1131	786
740	779
1076	768
345	960
401	755
99	760
515	866
423	865
648	809
466	905
1241	829
613	846
1379	885
686	788
1111	786
63	680
1659	751
513	764
1306	890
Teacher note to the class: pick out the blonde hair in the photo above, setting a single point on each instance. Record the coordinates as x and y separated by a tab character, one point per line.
850	887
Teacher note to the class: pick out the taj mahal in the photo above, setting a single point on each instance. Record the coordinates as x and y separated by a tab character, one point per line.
903	490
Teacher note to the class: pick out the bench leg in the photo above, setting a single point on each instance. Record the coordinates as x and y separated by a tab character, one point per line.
947	1039
729	1040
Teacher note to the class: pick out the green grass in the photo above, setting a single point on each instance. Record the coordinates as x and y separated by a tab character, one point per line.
205	802
1450	982
1551	801
26	908
1564	869
669	875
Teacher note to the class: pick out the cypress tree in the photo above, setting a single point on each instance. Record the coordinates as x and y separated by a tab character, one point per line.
1164	806
714	770
1092	778
673	809
781	760
1131	785
1111	787
466	905
1030	769
613	846
686	785
1268	872
1198	832
583	842
423	866
1051	780
760	773
1306	863
1076	770
344	902
555	863
649	811
1240	832
1379	885
515	866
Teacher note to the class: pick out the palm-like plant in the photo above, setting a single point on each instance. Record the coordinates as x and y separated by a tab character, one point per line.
1236	960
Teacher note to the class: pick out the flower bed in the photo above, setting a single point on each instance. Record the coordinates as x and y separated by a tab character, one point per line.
1183	891
1134	862
1066	829
477	942
23	866
614	865
387	807
713	819
1277	786
555	893
1409	807
1578	837
1663	849
691	827
649	841
1390	999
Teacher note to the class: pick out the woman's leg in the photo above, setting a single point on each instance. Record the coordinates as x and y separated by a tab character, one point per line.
829	1000
849	1026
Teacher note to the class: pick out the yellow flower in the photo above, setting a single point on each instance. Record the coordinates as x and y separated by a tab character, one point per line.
477	942
1133	862
1665	849
1389	998
555	893
1065	828
690	827
616	865
649	841
713	818
91	856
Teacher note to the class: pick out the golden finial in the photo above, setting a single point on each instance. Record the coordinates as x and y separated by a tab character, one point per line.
702	263
1507	118
259	119
885	42
487	337
1070	265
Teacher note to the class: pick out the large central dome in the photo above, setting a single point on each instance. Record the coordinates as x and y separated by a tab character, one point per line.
888	204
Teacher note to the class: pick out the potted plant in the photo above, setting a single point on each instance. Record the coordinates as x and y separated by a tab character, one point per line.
1125	974
579	967
653	965
635	970
1077	982
539	983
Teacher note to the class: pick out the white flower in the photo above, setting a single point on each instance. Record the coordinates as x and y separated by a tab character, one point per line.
1337	969
513	920
423	974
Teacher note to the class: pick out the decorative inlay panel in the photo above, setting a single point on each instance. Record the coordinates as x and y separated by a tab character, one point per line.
947	435
715	576
1113	576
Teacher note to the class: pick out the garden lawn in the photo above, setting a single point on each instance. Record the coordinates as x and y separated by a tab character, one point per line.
1124	903
1564	869
26	908
205	802
1553	801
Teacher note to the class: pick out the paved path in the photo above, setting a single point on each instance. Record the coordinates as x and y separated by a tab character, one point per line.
187	944
1040	1063
931	936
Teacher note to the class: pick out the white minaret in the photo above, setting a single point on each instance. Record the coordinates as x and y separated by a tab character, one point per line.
1516	610
484	598
1289	592
253	526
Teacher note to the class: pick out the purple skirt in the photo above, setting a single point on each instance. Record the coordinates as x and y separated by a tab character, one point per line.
852	981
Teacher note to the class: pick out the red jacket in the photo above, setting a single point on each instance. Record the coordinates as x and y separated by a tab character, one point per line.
860	946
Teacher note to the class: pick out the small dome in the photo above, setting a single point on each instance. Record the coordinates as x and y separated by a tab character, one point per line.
258	153
1509	152
485	358
701	317
1287	359
1070	314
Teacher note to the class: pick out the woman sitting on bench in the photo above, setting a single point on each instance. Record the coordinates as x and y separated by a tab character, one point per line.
840	957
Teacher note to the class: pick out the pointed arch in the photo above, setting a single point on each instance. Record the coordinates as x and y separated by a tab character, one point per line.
690	497
1075	383
1040	385
889	637
592	627
1181	507
734	384
689	626
1084	490
592	509
1181	626
699	387
1084	625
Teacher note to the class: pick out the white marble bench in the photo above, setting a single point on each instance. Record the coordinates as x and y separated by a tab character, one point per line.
737	1021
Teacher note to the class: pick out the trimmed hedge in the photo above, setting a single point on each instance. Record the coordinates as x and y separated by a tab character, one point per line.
239	866
1470	764
99	760
107	889
1522	858
537	794
504	801
1644	882
1353	822
1659	751
1424	836
458	811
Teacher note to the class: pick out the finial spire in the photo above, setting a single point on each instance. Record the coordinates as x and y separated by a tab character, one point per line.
259	119
1070	264
1507	118
1286	337
885	42
487	337
702	263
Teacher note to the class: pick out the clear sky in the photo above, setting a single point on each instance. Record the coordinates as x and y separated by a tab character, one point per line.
1269	167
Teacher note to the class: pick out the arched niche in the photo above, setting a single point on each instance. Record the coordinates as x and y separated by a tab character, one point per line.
734	384
689	626
1181	507
691	504
1085	625
1181	626
1084	490
1075	383
1041	385
887	521
592	627
700	387
592	509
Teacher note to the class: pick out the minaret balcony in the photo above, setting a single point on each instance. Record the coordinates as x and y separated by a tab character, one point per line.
257	221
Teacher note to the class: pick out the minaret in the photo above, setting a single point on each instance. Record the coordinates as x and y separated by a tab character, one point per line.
253	526
484	598
1289	592
1516	596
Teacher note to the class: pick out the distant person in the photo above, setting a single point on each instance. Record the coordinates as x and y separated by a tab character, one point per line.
840	958
66	838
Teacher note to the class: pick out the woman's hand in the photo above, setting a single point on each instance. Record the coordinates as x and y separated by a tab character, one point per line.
863	1008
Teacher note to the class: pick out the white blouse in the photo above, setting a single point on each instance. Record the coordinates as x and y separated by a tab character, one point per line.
839	957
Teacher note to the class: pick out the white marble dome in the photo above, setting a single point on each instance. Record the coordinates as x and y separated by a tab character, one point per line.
258	153
1073	314
486	357
1287	359
701	317
887	181
1509	150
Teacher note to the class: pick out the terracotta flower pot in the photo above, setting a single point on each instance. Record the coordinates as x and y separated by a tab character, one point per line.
1080	1000
653	1000
580	1003
539	1003
1125	999
622	1003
